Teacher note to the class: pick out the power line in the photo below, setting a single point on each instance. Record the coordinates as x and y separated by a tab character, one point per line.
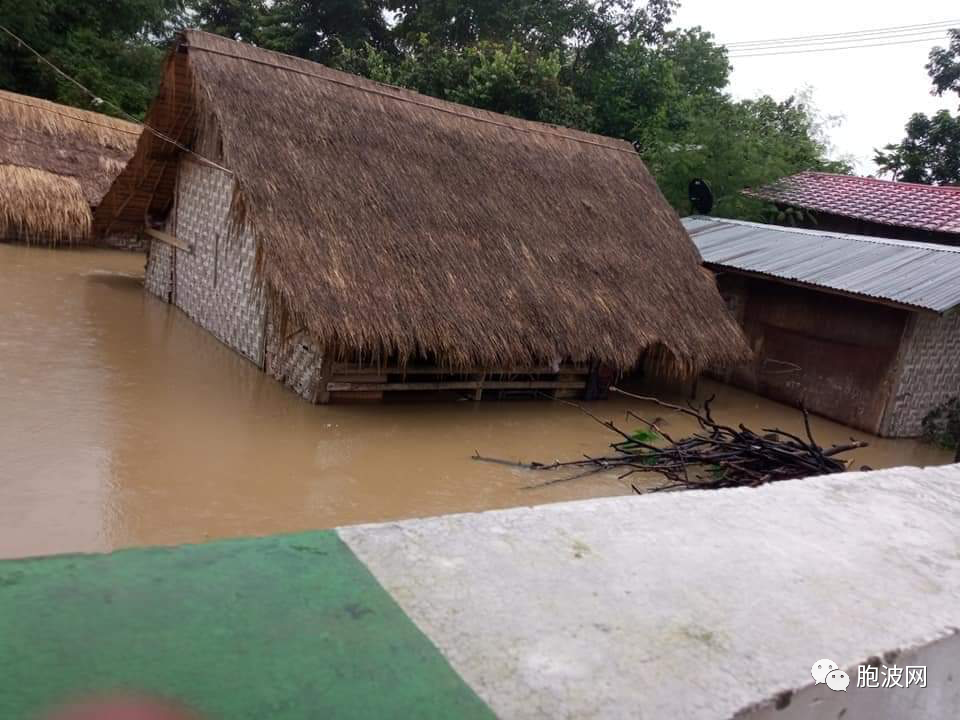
930	32
72	118
832	49
877	31
97	101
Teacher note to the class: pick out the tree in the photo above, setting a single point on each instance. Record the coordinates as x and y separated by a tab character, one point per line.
648	94
318	30
613	67
486	75
236	19
666	97
734	145
930	152
944	65
115	48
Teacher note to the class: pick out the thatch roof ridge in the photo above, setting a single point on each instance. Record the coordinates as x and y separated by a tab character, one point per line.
389	223
55	163
56	120
227	47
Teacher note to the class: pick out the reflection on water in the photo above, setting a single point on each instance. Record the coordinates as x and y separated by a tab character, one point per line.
124	424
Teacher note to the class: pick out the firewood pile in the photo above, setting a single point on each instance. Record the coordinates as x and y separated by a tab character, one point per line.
716	456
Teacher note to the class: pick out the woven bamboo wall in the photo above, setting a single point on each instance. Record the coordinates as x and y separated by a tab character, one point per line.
292	357
215	281
159	274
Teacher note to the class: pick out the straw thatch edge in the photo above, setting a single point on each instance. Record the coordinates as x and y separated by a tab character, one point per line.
38	206
61	121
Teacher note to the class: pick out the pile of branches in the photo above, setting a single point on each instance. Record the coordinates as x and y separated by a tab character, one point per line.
717	456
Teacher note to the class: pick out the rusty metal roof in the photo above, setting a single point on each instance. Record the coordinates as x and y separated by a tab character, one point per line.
926	207
898	272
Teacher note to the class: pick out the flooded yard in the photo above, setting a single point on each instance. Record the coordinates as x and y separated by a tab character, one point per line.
122	423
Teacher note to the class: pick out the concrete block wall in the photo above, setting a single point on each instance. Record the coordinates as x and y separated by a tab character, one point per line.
929	373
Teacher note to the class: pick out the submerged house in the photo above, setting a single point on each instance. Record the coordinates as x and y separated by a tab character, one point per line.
867	206
352	238
56	163
862	330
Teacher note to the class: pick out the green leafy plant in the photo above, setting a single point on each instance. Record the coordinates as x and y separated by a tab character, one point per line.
942	424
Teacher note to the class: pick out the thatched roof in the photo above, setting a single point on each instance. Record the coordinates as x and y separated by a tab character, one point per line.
389	222
56	162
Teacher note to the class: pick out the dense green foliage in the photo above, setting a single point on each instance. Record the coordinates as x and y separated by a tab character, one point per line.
610	67
113	48
942	424
930	152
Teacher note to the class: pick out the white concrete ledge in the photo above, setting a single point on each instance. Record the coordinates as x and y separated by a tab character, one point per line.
692	605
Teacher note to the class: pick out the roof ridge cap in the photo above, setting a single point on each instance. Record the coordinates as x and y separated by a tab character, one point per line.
869	239
523	125
869	179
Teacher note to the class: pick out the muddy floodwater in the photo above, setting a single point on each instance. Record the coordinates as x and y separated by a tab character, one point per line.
122	423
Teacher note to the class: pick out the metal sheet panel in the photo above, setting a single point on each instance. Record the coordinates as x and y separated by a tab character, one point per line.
921	275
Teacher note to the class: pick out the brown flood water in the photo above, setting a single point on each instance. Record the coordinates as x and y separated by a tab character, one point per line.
122	423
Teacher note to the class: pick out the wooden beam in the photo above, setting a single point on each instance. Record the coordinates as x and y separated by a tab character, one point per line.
457	385
397	370
168	239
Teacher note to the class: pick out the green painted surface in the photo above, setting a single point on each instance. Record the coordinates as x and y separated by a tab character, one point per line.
282	627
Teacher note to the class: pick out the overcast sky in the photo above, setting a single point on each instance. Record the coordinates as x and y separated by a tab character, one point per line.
875	89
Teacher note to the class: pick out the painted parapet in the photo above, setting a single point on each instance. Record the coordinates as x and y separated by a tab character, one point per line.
688	605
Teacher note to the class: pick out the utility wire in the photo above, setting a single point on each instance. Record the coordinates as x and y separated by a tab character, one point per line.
930	32
97	101
878	31
72	118
831	49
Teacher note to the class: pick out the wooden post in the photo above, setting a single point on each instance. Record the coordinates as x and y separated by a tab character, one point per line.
478	394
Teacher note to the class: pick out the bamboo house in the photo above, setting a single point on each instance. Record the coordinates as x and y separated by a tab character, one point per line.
352	238
56	163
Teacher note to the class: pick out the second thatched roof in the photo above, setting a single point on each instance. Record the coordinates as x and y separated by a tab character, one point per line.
56	163
395	224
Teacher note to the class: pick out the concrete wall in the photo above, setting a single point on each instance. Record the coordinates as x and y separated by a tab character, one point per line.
928	372
835	355
697	605
214	283
701	605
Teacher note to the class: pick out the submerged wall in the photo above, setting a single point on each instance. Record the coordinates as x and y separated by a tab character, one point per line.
215	282
293	358
833	354
928	372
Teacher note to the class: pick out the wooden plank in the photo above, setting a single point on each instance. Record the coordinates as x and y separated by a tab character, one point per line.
168	239
456	385
359	378
396	370
363	396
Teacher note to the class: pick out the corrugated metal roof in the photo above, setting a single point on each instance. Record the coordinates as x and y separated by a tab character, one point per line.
922	275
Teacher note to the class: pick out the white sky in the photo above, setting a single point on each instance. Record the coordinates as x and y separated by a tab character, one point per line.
875	89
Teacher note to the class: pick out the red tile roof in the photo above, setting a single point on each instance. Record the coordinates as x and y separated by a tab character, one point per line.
925	207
